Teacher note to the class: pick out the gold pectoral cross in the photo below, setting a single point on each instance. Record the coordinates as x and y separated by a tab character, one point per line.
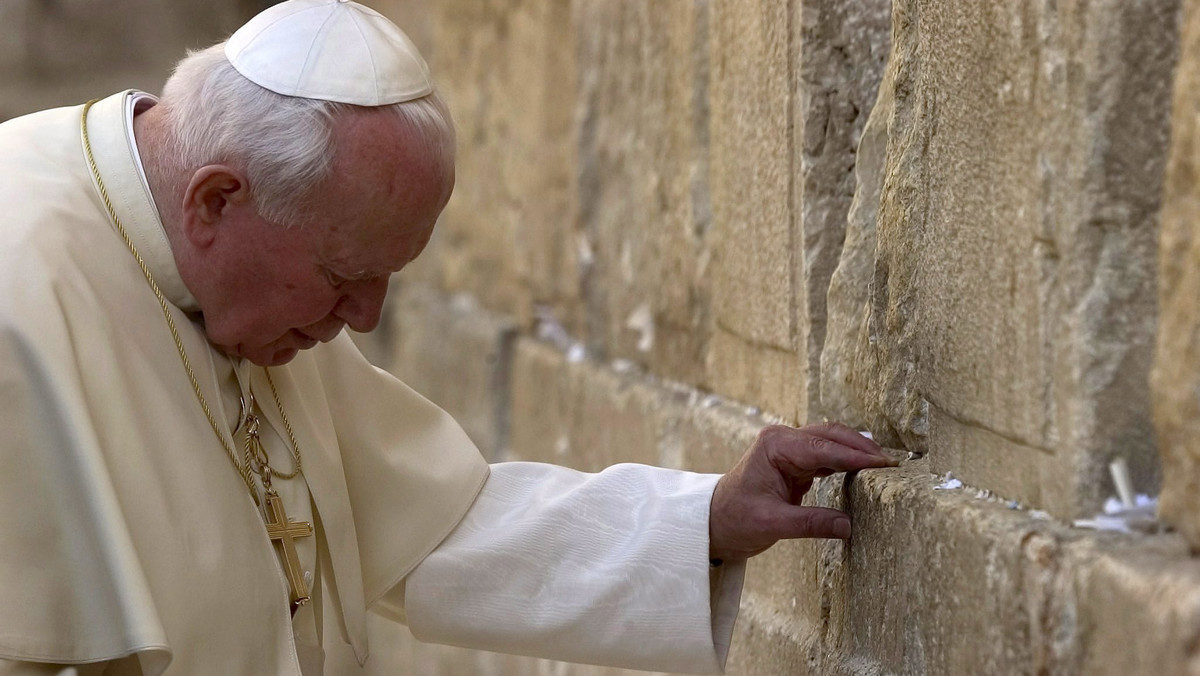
283	533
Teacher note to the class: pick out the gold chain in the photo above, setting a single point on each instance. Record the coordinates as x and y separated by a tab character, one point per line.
243	470
287	426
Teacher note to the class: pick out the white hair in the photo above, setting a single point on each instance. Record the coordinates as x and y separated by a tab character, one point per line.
283	143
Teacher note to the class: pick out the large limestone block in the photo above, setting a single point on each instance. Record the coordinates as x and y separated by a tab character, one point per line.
754	356
590	415
644	181
849	289
942	582
1010	311
843	48
769	378
752	179
791	87
764	643
507	236
1176	381
579	414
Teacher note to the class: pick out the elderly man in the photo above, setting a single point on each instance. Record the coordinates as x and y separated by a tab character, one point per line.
199	473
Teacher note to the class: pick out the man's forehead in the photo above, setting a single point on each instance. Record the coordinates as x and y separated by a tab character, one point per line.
377	208
379	140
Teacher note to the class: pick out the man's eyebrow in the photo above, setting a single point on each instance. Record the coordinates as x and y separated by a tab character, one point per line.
359	276
335	267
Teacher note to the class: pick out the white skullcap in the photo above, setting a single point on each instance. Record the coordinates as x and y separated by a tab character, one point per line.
332	50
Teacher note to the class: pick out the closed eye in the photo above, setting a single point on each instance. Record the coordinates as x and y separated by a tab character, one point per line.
334	279
338	281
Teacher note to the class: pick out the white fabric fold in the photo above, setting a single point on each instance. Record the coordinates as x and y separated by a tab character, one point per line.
609	568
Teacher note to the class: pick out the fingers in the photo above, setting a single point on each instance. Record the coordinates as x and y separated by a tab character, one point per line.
812	522
801	454
758	501
844	435
748	529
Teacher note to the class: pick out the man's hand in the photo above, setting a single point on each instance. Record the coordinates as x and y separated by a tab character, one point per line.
758	502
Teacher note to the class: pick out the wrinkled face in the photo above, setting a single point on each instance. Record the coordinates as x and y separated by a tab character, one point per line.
272	291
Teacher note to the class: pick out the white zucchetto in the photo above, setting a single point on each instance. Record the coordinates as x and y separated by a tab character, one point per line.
332	50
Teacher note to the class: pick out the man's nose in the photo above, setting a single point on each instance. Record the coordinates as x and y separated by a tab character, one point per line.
361	305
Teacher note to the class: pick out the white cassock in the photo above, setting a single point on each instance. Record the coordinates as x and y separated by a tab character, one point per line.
127	536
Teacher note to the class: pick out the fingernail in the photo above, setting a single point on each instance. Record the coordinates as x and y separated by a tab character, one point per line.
841	528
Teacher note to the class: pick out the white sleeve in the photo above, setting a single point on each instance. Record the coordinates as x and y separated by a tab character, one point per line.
609	568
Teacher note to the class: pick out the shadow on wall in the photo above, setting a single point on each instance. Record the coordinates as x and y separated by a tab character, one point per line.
63	52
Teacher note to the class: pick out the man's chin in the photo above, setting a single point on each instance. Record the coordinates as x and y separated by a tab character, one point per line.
276	357
267	355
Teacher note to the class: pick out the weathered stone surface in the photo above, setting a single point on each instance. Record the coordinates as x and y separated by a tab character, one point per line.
644	181
752	177
507	70
1011	305
634	164
847	300
772	378
843	48
65	53
975	587
791	86
576	414
1176	379
754	250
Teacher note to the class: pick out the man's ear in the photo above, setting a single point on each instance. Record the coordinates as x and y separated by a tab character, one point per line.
214	191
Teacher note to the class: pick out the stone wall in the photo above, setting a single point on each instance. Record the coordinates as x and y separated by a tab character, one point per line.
934	219
1176	376
1009	274
65	52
